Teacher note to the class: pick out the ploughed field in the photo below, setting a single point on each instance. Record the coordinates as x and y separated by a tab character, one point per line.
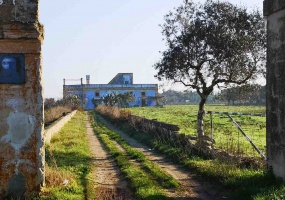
226	134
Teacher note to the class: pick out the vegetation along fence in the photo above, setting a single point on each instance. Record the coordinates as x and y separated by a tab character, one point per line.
240	134
167	134
158	132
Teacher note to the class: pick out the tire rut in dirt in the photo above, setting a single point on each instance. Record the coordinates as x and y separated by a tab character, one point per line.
109	183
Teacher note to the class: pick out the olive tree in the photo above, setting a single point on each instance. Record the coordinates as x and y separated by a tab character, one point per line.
122	100
211	44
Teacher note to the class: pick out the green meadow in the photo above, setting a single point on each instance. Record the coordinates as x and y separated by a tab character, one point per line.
226	135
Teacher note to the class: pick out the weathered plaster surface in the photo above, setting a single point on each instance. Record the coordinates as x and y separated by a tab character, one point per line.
275	12
19	132
21	105
271	6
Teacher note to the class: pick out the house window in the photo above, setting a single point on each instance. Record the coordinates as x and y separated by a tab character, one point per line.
97	94
143	93
126	82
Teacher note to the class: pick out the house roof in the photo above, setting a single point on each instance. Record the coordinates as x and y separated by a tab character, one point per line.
118	77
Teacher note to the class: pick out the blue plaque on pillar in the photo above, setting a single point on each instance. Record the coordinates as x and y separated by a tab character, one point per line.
12	68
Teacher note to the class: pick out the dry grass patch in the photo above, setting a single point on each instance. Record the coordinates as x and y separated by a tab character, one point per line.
54	113
54	177
114	112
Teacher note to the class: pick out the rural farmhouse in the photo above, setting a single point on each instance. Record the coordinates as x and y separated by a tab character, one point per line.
144	94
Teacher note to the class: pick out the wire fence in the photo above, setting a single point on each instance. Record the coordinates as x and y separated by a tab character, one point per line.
240	134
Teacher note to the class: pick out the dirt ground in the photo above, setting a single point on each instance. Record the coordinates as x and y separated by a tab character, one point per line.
108	175
109	181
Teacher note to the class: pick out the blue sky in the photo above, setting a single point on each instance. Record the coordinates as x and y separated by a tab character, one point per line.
102	38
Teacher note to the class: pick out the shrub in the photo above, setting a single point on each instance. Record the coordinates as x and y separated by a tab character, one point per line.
114	112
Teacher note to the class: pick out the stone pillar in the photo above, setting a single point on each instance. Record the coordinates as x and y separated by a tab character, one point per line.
274	10
21	99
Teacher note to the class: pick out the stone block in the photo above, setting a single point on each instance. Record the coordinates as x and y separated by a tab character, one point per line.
275	117
271	6
20	30
20	46
19	10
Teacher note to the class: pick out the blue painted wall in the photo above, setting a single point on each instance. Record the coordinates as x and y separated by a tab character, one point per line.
103	93
78	93
136	93
151	93
89	95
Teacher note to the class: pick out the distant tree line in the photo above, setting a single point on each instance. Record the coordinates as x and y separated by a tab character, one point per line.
249	94
172	97
243	95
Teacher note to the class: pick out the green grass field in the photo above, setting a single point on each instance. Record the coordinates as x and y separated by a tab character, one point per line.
226	135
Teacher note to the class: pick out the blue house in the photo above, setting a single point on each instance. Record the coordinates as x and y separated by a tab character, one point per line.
145	94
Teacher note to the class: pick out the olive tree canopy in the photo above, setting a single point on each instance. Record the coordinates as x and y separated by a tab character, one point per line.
211	44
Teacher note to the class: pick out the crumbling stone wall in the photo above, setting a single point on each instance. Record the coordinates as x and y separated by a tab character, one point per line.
274	10
21	104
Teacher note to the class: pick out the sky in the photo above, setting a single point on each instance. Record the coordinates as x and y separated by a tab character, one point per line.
101	38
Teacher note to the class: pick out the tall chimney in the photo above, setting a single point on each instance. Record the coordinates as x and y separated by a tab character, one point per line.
88	79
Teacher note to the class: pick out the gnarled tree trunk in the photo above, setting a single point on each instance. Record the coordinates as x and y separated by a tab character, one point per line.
200	119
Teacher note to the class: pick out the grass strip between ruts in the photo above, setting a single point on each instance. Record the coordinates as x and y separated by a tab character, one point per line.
144	185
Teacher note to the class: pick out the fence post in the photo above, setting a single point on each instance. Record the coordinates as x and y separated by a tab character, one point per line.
212	128
238	144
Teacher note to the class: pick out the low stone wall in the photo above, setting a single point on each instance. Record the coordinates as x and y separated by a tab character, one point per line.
137	121
168	134
164	133
56	126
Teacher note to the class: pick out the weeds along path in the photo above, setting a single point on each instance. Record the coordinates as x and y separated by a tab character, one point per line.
190	188
109	183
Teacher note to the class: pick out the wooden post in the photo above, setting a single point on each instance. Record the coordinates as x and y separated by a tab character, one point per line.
212	128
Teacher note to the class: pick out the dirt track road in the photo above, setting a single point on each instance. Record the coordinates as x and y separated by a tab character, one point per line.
108	178
191	187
